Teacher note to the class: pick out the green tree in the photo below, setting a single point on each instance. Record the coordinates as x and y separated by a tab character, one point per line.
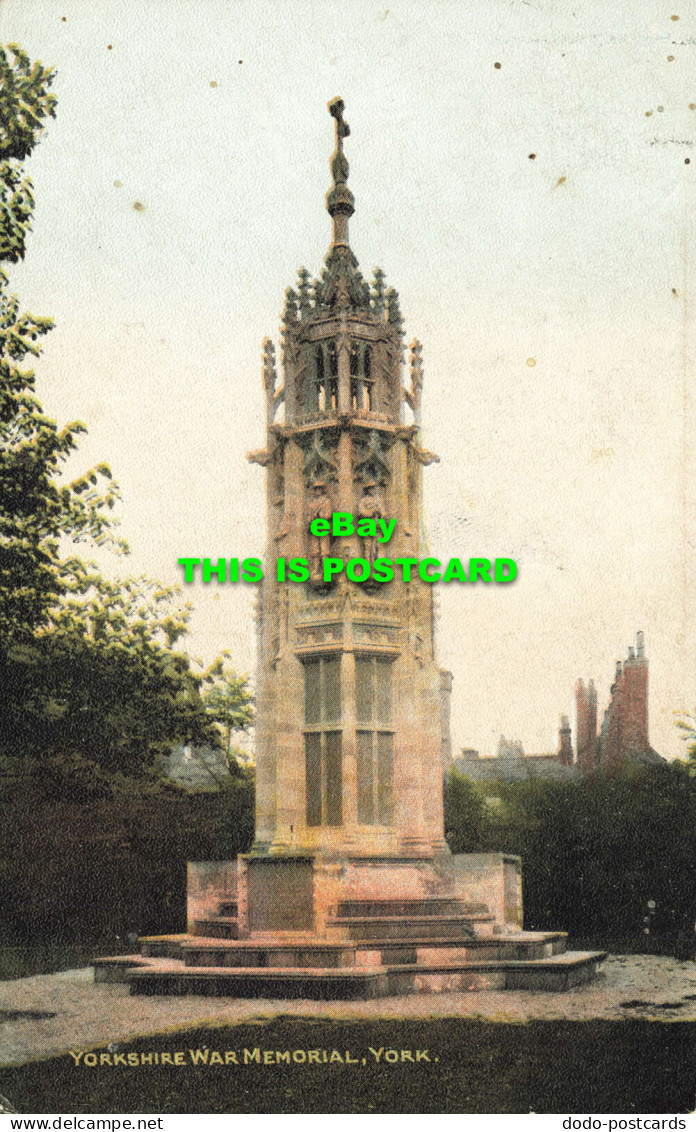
686	722
603	856
37	508
227	699
102	679
595	850
468	823
89	667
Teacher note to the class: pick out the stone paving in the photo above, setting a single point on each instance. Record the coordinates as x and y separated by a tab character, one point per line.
50	1014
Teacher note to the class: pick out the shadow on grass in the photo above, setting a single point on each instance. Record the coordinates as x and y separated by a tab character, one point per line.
477	1067
19	961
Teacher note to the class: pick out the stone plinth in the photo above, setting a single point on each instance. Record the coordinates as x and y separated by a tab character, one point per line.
261	894
329	928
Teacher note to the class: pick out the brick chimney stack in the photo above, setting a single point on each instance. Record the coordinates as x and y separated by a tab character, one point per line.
634	700
623	736
586	726
565	746
612	750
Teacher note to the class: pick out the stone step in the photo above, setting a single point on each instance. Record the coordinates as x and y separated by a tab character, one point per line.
369	927
162	946
247	953
215	952
399	927
116	968
538	945
495	947
556	973
282	983
427	906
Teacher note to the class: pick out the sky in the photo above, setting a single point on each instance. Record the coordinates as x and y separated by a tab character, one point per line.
537	219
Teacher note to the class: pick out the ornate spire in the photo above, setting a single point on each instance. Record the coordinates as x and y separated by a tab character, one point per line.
304	291
339	199
342	285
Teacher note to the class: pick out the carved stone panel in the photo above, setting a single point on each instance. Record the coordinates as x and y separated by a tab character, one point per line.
319	634
321	610
370	456
375	634
379	610
320	458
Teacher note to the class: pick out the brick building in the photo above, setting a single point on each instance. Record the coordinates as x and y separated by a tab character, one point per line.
586	726
623	734
511	764
622	737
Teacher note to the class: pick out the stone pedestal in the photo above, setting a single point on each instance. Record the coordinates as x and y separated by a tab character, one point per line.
262	895
327	928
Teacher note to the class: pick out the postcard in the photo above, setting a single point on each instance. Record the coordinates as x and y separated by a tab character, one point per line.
347	647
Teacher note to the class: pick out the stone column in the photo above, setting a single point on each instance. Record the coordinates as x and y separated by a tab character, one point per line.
343	348
403	537
349	741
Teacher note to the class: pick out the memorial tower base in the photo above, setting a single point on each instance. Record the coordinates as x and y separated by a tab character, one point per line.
340	927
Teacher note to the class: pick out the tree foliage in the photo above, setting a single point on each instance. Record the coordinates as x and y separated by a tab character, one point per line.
37	508
594	850
227	698
25	101
686	722
118	851
467	818
93	688
102	681
91	680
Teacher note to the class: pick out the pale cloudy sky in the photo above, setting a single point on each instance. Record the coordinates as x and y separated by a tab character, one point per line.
212	117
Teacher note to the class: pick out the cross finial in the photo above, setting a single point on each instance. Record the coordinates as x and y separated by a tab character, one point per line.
339	201
336	108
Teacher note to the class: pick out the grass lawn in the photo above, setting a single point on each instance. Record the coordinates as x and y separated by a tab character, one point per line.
478	1067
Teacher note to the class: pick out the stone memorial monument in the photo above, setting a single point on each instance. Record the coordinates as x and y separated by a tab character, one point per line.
350	889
